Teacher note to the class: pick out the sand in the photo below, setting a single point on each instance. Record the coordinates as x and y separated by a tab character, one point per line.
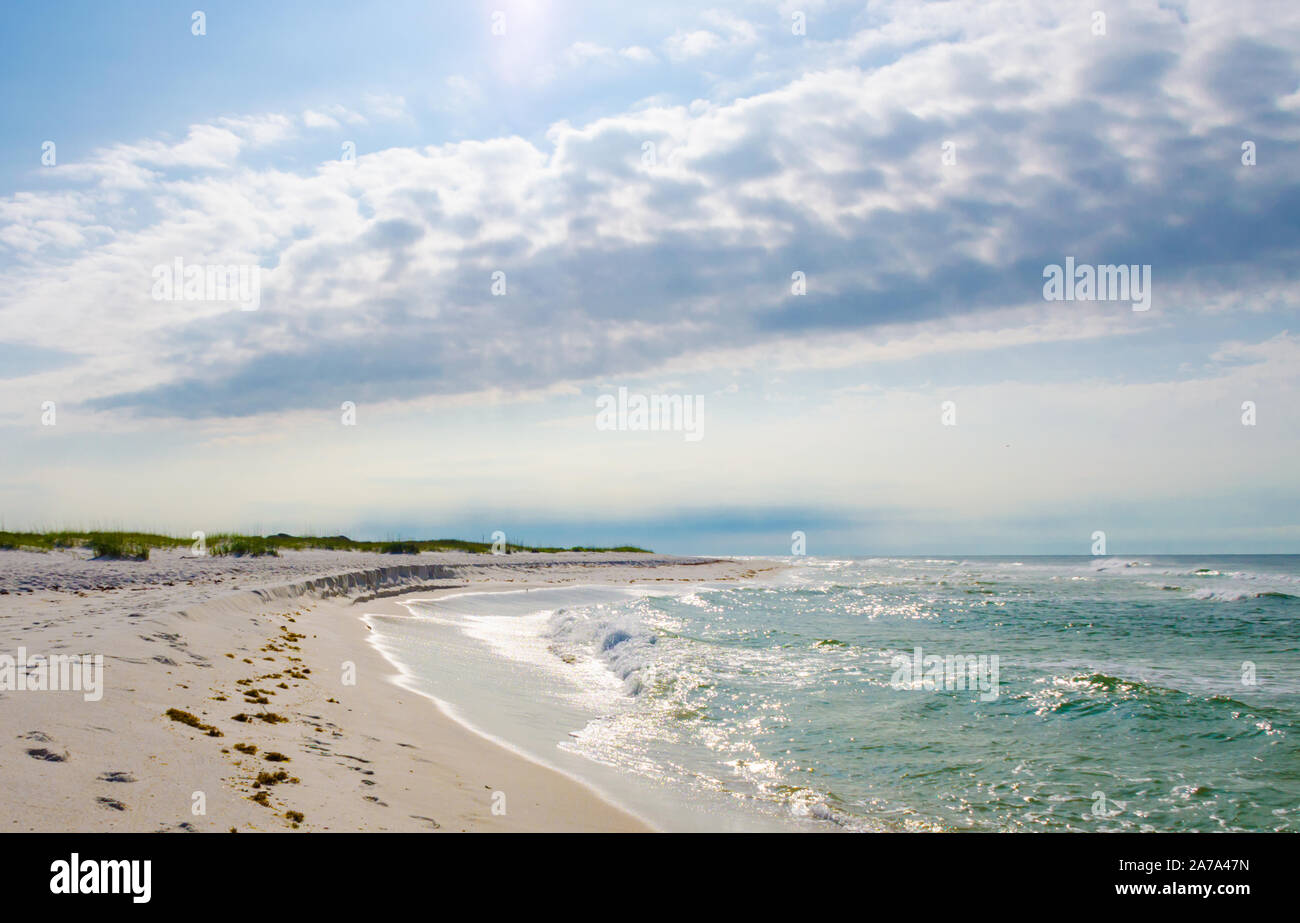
197	634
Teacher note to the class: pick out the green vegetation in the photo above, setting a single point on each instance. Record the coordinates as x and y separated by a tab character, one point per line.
136	545
125	545
252	546
115	547
630	549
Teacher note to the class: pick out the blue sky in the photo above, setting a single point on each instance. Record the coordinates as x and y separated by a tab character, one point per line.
919	163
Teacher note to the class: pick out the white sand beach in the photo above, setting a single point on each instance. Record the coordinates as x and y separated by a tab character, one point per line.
272	640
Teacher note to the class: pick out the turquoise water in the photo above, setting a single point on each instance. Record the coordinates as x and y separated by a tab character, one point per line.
1153	693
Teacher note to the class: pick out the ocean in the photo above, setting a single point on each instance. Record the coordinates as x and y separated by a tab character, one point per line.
913	694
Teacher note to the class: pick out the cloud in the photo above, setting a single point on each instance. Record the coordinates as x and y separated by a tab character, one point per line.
725	32
213	147
332	116
637	53
386	106
314	119
377	275
581	54
683	45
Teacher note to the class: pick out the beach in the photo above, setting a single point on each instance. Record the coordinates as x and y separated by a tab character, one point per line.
329	739
928	694
355	691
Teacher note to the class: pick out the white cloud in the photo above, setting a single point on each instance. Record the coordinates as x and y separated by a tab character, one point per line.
683	45
725	31
313	119
332	116
837	173
386	106
580	54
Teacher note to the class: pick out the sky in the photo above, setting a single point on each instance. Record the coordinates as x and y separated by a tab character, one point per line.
827	226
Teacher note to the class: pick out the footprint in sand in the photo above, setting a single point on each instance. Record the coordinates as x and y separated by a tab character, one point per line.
112	803
116	777
40	753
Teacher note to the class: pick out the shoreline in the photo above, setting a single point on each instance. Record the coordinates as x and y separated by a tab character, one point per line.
403	678
459	670
279	638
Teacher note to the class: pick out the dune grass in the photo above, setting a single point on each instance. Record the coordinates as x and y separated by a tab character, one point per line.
271	544
136	545
127	546
118	547
253	546
110	543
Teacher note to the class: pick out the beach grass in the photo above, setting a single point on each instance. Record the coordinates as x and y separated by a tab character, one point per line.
253	546
104	544
136	545
116	546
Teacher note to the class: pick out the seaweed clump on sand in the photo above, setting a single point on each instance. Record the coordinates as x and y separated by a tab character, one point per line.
190	720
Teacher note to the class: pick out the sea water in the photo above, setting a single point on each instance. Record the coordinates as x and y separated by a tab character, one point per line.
1144	693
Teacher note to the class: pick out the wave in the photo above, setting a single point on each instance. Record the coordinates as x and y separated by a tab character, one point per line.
1084	694
1106	565
1216	594
1117	684
619	639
